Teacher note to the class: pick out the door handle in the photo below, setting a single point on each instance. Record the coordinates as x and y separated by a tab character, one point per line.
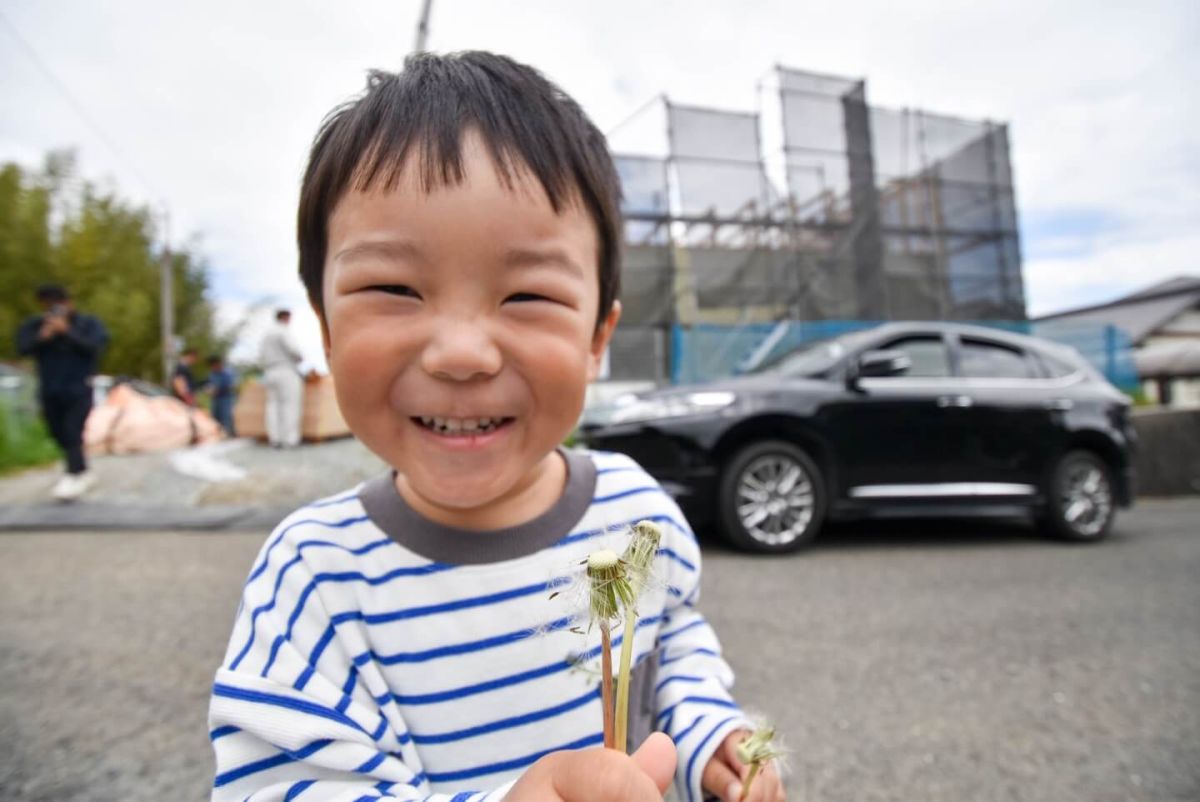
958	401
1060	404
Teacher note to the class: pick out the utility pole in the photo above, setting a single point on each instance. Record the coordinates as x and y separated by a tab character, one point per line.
167	300
423	28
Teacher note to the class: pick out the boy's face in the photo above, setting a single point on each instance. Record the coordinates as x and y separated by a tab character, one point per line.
461	333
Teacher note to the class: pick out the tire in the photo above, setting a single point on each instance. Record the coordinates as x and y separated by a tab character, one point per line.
781	520
1080	502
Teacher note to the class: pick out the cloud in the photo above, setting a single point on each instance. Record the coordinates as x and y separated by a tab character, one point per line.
211	106
1057	283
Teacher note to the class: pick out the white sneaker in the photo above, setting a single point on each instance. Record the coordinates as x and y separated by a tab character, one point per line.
74	485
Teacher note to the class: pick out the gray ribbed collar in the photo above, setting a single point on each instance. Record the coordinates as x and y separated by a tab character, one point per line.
446	544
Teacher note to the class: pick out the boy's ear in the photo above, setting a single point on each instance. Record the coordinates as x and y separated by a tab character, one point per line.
600	340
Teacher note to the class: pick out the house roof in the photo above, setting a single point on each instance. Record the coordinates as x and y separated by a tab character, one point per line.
1140	313
1178	358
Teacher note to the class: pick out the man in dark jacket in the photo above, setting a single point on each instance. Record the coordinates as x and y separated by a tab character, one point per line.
66	344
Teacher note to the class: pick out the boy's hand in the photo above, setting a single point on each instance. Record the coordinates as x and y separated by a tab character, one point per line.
724	774
600	775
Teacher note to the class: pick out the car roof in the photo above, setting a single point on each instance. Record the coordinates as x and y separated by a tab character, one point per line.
1015	339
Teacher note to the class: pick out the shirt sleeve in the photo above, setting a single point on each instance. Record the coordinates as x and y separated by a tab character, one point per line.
289	717
87	334
692	694
27	337
292	347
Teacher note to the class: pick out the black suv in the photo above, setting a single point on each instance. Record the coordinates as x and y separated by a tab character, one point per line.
901	419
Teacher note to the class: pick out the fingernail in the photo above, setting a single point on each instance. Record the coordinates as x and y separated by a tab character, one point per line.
734	792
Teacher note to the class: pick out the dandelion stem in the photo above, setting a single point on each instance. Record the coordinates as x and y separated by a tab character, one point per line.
754	768
606	682
622	729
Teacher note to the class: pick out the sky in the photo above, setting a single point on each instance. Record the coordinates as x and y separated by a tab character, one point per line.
207	109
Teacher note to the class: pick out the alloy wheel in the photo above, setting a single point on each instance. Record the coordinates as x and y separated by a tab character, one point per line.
774	499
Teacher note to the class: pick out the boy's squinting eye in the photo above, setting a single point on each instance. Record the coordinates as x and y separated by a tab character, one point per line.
395	289
527	296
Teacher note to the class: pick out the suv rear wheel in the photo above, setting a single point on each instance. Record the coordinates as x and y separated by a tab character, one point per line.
1080	504
772	497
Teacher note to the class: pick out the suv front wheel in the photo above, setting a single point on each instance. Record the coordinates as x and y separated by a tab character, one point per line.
1080	504
772	497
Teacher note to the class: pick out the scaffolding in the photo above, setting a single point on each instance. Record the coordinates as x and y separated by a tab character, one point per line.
858	213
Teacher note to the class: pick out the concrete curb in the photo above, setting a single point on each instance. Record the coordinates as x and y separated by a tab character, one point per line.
100	516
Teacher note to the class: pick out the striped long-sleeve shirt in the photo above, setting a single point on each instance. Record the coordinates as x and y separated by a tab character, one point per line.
378	655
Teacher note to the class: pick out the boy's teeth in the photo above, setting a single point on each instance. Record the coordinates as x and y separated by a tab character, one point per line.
457	425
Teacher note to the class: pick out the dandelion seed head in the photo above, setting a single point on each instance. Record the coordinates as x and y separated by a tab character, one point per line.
759	746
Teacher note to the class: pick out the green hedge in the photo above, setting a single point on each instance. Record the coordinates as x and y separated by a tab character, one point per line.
24	441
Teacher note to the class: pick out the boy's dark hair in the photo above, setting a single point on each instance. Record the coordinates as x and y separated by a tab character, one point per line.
52	293
215	359
524	120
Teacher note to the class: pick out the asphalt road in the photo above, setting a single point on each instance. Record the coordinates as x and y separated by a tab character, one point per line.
924	662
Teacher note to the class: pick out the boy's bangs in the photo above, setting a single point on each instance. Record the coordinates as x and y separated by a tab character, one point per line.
416	126
436	160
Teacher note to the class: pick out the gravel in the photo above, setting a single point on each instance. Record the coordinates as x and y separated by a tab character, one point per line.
930	662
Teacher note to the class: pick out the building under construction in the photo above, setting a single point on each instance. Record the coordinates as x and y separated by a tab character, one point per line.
817	207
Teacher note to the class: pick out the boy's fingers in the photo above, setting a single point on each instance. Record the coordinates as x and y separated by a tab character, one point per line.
769	786
656	757
720	779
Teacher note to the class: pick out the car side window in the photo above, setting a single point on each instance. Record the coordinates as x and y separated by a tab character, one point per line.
1054	367
929	355
985	360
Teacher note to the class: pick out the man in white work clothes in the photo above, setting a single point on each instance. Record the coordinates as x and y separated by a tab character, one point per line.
280	357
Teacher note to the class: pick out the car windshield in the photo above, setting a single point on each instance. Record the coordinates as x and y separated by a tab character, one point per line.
812	358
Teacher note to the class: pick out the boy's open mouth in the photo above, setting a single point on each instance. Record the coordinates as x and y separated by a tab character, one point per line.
462	427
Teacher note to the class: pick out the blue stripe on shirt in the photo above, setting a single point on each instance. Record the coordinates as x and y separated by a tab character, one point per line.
279	581
371	764
269	763
465	648
587	534
633	491
668	636
708	652
507	723
677	558
688	729
515	763
501	682
287	702
511	679
696	753
453	606
342	524
297	789
342	499
706	700
221	732
678	678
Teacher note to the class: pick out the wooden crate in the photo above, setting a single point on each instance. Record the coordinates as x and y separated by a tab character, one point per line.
320	418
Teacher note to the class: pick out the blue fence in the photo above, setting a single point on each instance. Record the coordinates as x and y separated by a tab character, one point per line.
707	351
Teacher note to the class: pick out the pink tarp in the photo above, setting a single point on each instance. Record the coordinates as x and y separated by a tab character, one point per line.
131	423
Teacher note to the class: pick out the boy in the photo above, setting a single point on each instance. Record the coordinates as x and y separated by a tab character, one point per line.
459	236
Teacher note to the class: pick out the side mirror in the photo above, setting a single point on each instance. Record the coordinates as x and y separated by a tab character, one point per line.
878	364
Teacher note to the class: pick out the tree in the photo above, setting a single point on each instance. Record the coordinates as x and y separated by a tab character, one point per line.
57	227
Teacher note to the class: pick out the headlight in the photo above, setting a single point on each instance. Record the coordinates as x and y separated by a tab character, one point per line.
674	406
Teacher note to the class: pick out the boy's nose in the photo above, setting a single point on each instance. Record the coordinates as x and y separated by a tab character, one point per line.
461	350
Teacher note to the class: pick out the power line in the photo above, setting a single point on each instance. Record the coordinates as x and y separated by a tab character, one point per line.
78	107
